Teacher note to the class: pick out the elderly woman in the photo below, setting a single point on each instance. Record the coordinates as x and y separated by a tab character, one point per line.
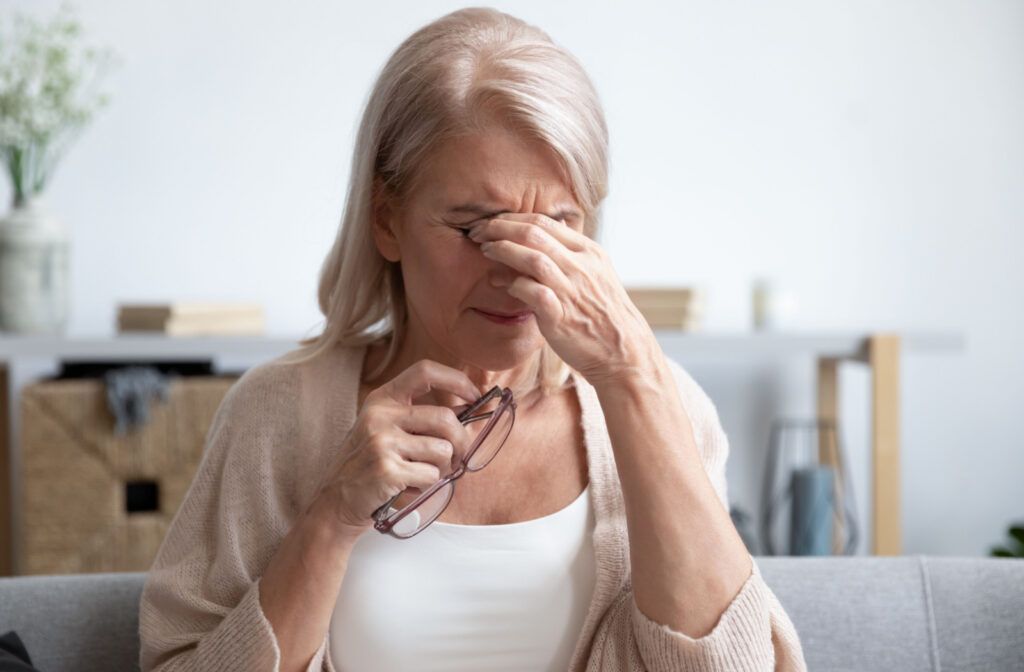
484	462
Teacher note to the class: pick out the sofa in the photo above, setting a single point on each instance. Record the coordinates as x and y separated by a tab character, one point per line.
860	614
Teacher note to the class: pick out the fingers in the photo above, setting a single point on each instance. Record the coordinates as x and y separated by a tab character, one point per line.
504	226
427	375
438	423
534	245
403	461
541	298
385	464
540	237
527	261
396	445
429	451
421	476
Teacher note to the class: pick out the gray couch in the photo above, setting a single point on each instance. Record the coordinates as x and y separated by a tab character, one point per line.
905	614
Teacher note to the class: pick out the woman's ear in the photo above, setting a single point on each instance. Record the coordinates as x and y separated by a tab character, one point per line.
384	221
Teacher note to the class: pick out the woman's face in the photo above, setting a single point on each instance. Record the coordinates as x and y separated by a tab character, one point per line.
459	311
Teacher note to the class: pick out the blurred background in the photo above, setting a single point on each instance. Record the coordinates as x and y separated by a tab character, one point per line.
866	158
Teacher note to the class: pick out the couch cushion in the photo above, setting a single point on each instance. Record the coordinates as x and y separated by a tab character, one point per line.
979	612
83	623
907	613
855	614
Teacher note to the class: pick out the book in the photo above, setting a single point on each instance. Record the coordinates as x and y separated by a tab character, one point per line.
672	308
193	318
667	296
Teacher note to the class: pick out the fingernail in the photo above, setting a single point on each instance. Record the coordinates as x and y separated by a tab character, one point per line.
484	247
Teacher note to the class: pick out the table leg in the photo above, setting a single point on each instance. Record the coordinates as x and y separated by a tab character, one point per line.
828	443
884	358
5	473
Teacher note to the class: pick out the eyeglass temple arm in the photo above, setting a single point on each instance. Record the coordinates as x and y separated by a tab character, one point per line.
491	394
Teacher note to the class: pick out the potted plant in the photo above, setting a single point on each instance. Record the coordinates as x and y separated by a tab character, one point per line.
1015	547
47	97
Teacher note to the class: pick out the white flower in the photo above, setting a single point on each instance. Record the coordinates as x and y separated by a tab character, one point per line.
45	78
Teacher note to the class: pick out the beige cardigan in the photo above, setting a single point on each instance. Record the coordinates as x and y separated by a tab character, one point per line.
275	432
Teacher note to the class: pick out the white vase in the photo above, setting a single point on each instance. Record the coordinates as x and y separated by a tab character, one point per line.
33	270
774	308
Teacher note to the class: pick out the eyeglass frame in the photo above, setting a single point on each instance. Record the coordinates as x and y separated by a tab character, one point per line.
384	521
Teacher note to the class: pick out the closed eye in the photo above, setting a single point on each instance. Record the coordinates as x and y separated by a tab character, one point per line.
464	229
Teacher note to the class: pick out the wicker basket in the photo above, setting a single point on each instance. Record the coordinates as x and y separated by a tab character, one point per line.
79	479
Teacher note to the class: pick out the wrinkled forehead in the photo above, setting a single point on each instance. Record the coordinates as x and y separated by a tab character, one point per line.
493	172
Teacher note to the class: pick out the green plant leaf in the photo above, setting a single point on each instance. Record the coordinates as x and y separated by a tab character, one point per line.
1017	532
1001	553
45	73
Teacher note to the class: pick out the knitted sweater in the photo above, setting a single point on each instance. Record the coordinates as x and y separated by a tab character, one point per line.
273	435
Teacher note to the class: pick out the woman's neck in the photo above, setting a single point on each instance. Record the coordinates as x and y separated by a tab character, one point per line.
523	380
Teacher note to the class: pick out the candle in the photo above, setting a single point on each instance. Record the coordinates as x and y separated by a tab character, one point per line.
812	511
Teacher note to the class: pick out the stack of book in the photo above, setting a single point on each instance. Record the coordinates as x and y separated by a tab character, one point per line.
668	308
192	318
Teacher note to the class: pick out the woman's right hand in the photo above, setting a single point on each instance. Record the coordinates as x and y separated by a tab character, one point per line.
393	445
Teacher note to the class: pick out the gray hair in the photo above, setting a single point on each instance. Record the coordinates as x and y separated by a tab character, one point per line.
447	79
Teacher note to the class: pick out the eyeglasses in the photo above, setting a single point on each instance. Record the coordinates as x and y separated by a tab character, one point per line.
498	408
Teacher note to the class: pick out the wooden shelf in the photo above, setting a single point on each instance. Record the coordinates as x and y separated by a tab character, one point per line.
143	346
839	345
881	352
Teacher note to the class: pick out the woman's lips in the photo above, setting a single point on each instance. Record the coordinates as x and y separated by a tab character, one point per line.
499	318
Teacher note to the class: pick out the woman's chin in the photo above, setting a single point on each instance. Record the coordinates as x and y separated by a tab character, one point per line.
506	354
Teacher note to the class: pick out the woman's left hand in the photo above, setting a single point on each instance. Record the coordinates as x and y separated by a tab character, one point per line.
568	281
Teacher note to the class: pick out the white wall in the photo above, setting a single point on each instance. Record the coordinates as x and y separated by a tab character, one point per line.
868	155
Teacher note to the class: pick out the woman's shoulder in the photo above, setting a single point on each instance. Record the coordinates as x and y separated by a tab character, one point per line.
298	374
288	405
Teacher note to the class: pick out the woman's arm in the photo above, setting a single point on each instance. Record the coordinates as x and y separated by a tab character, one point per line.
688	561
200	608
697	601
300	587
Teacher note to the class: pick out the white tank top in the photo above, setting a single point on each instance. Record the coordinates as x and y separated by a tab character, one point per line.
468	597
